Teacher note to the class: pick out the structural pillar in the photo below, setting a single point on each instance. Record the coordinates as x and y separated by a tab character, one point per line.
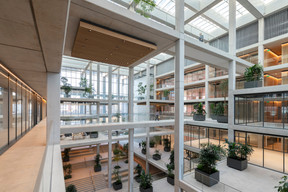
260	43
98	81
131	131
110	94
53	109
155	82
109	159
232	68
179	94
207	108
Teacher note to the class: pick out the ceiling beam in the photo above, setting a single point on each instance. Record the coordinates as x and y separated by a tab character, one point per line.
202	10
251	8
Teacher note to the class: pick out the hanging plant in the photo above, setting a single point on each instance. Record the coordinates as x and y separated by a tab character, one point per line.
146	6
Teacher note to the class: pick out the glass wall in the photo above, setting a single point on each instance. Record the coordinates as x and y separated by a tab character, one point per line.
193	76
262	110
17	112
270	151
214	72
194	93
194	136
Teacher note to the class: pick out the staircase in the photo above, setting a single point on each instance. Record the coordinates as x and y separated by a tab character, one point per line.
89	184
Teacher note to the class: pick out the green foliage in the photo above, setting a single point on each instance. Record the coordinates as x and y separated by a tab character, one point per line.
171	158
71	188
138	169
145	180
283	185
141	89
254	73
126	149
224	88
157	152
117	154
146	6
166	93
238	150
152	143
212	108
209	155
67	171
143	145
83	82
97	161
167	143
170	169
219	109
66	86
117	176
198	109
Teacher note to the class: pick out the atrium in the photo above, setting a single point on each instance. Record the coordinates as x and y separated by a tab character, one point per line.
144	95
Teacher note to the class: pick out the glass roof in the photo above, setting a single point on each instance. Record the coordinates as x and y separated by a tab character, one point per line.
203	24
267	1
222	9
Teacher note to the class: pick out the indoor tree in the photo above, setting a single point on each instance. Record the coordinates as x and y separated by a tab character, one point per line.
146	6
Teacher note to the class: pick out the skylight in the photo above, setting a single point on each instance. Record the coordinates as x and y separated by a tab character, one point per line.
203	24
267	1
166	5
222	9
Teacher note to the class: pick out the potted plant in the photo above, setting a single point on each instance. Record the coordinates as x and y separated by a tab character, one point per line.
206	171
146	183
199	112
283	185
83	82
220	111
166	95
253	76
66	86
97	166
117	156
66	156
143	145
138	170
126	151
167	145
170	175
213	111
237	155
152	143
146	6
157	155
94	134
71	188
117	185
170	168
67	171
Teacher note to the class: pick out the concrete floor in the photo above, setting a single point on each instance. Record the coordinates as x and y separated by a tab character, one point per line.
253	179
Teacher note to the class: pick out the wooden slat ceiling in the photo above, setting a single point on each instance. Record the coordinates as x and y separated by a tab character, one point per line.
106	46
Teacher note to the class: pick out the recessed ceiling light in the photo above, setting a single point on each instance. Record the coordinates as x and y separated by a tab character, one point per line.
90	30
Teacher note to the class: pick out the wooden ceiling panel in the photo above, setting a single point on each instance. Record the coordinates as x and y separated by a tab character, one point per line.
106	46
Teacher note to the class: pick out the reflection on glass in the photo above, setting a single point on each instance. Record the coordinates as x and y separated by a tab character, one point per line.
256	141
214	136
273	152
273	110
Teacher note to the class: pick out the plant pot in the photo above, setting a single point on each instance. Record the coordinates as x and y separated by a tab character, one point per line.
126	161
146	190
205	178
143	151
66	158
94	135
137	179
213	116
97	168
156	157
116	186
199	117
237	164
252	84
170	180
151	145
167	149
222	119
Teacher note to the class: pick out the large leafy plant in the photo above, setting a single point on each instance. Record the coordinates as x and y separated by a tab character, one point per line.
283	185
238	150
220	109
198	109
145	181
209	155
254	73
66	86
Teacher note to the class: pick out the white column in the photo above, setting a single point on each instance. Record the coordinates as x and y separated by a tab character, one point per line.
179	94
98	149
207	91
53	108
148	113
147	149
98	81
260	43
98	112
131	131
232	68
118	90
109	159
155	82
110	94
